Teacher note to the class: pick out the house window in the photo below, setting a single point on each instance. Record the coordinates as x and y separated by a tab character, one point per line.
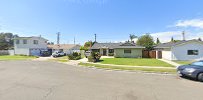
192	52
35	42
17	41
24	41
127	51
111	50
96	50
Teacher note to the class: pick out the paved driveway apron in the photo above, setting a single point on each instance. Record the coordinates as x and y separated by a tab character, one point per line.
41	80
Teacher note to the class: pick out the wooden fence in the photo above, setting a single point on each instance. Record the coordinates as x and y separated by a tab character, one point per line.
148	54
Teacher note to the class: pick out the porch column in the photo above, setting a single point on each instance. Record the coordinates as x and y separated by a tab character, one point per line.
101	51
157	54
107	51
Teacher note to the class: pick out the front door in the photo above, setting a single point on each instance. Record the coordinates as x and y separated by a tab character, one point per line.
104	52
159	54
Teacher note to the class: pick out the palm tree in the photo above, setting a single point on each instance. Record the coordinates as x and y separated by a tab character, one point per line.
132	36
157	41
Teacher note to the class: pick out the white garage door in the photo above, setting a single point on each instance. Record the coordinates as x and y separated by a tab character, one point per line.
35	52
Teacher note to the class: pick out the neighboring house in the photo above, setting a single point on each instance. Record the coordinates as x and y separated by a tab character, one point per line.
29	45
182	50
67	48
126	50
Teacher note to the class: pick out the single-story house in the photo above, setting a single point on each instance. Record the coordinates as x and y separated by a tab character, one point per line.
29	45
182	50
126	50
66	48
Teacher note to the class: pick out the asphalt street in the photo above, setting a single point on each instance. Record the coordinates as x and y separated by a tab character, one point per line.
43	80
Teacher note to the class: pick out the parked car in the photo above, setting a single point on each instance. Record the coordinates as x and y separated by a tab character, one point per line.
194	70
58	54
88	53
45	53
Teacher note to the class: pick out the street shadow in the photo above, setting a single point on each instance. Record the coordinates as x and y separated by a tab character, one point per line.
190	79
100	60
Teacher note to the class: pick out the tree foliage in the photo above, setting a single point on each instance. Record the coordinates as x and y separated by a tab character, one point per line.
158	41
146	41
132	36
50	43
6	40
199	39
172	40
86	46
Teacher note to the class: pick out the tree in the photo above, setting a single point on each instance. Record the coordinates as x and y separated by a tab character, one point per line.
3	43
50	43
6	41
157	41
199	39
86	46
146	41
132	36
172	40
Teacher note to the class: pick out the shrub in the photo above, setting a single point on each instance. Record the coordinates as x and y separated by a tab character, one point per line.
74	56
94	57
111	54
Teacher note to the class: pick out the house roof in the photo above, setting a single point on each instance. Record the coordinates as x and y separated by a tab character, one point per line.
172	44
63	46
115	45
30	37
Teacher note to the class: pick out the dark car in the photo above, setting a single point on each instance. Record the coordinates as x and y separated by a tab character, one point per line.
194	70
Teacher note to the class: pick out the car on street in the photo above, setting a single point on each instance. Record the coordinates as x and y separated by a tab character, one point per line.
193	70
87	53
58	54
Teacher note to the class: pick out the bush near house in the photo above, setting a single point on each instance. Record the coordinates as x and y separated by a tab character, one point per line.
74	56
111	54
94	57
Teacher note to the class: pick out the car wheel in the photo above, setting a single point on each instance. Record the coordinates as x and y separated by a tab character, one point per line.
200	77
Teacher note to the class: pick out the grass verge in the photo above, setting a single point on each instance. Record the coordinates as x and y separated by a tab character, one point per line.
16	57
161	70
183	62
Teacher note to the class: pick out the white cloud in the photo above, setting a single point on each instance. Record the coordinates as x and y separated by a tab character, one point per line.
177	35
197	23
166	36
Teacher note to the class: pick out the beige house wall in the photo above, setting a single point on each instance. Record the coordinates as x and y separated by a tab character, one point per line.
135	53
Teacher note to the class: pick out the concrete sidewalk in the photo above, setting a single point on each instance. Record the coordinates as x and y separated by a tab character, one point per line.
170	62
160	67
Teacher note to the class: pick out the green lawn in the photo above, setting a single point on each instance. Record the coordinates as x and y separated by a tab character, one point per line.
16	57
135	62
130	68
183	62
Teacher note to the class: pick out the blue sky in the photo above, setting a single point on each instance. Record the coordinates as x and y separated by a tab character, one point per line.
111	20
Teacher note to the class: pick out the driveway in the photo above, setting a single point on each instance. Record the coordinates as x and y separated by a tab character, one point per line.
41	80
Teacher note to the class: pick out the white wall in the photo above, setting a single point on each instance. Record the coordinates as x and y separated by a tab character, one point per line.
22	51
25	49
41	43
180	52
166	55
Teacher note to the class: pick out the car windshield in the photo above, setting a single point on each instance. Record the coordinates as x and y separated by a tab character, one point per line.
199	63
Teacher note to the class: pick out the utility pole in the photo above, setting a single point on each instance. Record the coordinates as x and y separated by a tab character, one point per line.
74	40
58	38
183	33
95	37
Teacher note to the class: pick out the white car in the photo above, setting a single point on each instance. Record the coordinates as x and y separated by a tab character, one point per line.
58	54
87	53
